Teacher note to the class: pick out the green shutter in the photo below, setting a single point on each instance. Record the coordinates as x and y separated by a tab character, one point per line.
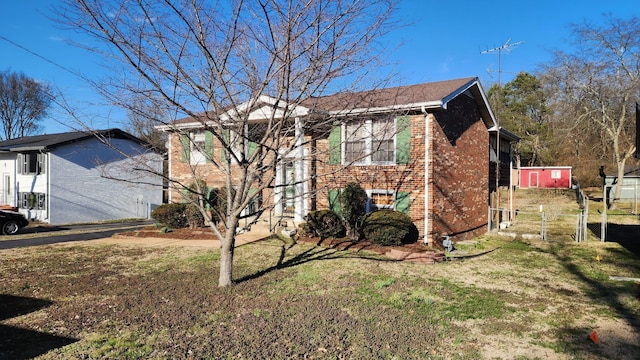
185	195
226	136
333	200
184	140
402	202
403	139
208	144
335	148
252	148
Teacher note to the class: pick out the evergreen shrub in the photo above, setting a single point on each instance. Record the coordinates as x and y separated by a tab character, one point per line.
389	228
171	215
324	224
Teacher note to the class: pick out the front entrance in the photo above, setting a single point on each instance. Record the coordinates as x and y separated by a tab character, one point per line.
289	193
285	189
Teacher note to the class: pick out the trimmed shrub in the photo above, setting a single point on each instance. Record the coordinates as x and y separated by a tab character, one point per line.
389	228
217	201
324	223
171	215
194	216
353	203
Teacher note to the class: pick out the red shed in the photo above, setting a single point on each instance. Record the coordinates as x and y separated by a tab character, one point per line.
545	177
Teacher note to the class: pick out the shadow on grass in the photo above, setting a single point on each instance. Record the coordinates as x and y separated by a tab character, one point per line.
628	236
19	343
340	250
601	291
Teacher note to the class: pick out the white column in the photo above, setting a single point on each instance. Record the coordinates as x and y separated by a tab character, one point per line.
300	203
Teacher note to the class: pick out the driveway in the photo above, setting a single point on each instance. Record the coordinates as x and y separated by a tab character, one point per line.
46	235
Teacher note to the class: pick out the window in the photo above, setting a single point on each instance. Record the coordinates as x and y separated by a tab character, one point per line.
32	200
370	142
355	143
555	174
198	143
31	163
381	199
382	148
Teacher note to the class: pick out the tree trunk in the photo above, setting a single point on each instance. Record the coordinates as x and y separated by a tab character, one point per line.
227	247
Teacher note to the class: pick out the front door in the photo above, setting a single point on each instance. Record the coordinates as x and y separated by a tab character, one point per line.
289	193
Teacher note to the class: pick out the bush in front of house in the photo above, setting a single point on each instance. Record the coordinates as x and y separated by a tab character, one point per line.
217	201
324	224
171	215
194	216
353	202
389	228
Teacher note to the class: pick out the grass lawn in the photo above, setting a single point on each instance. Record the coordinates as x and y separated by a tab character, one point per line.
527	299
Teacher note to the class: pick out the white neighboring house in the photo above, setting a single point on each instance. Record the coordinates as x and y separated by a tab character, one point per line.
77	177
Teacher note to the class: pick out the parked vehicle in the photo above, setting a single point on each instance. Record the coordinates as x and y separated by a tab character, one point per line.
11	222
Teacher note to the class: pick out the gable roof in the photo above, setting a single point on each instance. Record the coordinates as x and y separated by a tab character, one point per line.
51	141
431	96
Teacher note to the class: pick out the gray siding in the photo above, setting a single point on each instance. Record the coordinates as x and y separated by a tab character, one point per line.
630	188
90	181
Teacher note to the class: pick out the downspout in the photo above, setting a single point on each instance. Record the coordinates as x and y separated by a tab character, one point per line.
48	196
169	169
427	143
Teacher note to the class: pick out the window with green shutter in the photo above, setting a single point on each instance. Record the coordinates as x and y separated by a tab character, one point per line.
335	148
208	144
402	202
226	136
252	149
334	205
186	147
403	139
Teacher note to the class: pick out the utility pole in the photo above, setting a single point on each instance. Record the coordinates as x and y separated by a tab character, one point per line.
506	47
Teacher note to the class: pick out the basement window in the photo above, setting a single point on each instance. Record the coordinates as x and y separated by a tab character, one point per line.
32	200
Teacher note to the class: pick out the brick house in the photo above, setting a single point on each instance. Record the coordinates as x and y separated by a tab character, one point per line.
422	149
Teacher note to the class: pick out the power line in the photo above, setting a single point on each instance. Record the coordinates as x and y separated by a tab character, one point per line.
43	58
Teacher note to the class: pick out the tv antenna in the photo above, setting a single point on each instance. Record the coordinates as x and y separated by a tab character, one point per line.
506	47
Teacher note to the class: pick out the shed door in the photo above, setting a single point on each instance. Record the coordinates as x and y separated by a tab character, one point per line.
533	179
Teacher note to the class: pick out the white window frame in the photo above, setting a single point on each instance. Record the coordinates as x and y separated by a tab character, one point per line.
197	146
371	206
27	199
367	159
556	174
28	158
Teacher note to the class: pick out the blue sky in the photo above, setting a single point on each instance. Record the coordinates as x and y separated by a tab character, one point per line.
443	41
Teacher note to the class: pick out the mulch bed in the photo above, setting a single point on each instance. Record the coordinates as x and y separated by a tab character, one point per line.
410	252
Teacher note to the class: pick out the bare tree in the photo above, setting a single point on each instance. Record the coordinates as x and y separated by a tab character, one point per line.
216	62
23	104
599	84
144	116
